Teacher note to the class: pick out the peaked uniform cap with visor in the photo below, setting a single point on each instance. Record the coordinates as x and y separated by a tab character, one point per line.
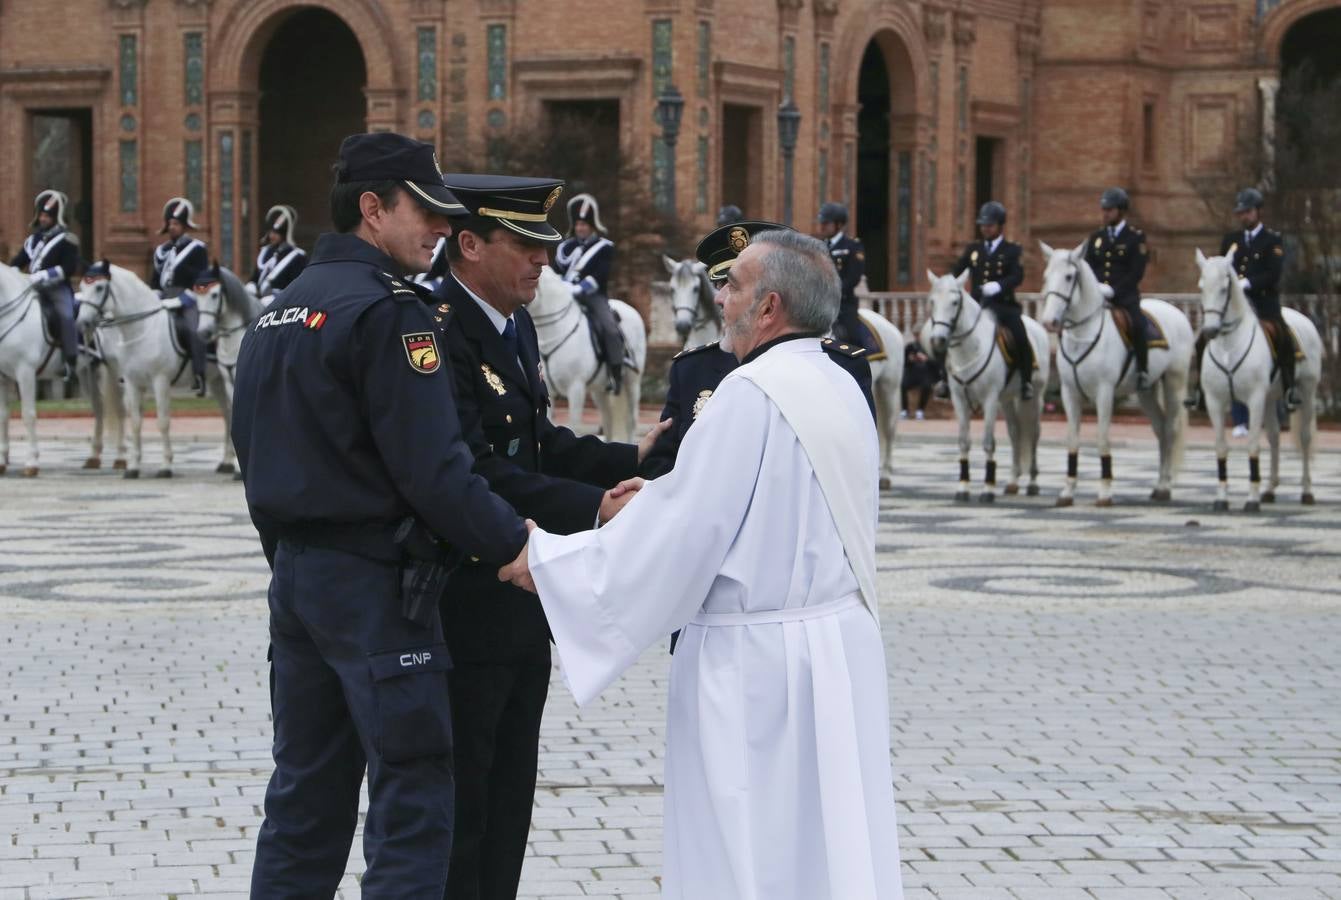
584	208
387	156
181	210
52	202
1248	198
521	205
719	249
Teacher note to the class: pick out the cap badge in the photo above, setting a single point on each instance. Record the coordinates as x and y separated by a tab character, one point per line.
445	308
553	196
421	349
491	378
701	401
738	238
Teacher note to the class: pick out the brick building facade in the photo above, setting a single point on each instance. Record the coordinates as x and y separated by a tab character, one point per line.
912	112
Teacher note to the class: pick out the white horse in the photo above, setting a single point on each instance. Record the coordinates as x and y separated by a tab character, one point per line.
135	333
697	318
1095	366
964	334
1237	364
26	357
570	362
226	309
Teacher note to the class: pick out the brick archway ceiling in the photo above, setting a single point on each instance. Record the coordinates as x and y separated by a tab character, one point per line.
1285	16
899	36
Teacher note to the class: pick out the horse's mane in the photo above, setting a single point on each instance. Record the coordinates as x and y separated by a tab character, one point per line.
236	295
13	281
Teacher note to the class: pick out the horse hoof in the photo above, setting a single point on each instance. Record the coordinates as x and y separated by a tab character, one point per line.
131	473
163	473
30	472
987	497
1161	495
237	476
93	462
1252	506
1066	501
1011	490
1221	506
1032	490
1104	501
886	484
1268	496
962	497
119	464
3	468
1307	500
224	469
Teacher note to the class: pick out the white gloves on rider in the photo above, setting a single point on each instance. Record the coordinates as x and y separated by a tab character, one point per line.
250	287
1245	284
38	278
576	289
1107	291
991	289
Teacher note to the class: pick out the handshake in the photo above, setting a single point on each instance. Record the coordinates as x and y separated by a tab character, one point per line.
519	571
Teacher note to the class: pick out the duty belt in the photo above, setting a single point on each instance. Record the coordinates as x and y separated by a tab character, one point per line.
388	542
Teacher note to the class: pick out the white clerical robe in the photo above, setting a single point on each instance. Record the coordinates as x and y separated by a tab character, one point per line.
778	779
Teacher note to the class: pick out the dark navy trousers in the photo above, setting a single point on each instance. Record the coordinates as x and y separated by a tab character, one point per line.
353	686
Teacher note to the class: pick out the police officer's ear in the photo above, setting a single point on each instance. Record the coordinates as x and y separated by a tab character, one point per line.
372	207
469	244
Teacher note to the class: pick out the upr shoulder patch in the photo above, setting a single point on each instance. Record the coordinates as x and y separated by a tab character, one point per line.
692	350
421	349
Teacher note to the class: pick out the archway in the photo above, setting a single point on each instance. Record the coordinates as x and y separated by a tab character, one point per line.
873	164
312	82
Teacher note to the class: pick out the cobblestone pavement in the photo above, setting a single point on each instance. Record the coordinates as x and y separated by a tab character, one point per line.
1126	703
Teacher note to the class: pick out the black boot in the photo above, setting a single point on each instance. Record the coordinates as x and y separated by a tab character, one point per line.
1026	385
69	375
198	383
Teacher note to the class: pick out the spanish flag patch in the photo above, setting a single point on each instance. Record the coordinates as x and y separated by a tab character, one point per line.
421	349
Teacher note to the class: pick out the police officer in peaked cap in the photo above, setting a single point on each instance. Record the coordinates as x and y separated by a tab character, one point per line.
51	256
360	485
1118	254
995	270
849	257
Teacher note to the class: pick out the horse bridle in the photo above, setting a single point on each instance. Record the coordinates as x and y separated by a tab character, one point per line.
203	290
106	321
1069	297
955	340
699	316
1226	327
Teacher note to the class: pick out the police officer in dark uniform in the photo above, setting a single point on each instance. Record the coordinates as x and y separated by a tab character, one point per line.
359	482
51	256
1258	256
496	632
849	256
1117	253
729	215
280	260
583	259
995	266
695	374
178	261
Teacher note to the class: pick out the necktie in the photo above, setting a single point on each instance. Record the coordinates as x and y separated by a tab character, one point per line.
510	338
1112	234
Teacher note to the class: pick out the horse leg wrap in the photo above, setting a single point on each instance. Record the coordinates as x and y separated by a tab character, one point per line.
1254	470
991	472
1106	468
963	470
1072	465
1222	469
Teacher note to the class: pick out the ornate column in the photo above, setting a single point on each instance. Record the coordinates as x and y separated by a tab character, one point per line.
1268	86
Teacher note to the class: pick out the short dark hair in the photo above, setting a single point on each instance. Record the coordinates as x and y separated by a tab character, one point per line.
345	212
483	226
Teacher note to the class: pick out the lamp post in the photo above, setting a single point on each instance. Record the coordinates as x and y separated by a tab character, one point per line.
789	124
670	107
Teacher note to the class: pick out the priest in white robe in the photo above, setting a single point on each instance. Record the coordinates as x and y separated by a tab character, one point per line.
760	545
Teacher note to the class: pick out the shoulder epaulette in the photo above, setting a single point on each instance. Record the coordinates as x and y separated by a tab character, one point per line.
832	346
692	350
400	288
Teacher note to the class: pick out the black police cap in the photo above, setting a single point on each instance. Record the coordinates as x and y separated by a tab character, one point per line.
386	156
518	204
1248	198
718	251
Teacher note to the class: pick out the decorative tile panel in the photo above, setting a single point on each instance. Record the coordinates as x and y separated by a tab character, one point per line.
427	38
788	67
824	65
498	61
662	58
905	212
130	176
194	75
704	57
701	165
194	152
226	235
128	65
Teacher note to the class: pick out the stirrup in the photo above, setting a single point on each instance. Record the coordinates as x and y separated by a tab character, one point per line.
1193	398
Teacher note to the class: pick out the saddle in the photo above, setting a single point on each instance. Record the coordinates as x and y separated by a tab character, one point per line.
867	338
1269	329
1005	342
1154	334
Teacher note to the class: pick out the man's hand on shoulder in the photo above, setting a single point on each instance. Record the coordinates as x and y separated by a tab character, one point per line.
617	498
650	439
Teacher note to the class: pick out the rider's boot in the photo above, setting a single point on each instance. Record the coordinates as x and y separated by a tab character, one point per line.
1026	384
198	384
1193	398
616	380
68	375
1142	380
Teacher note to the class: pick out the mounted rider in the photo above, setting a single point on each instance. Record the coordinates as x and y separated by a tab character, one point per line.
849	257
583	260
1117	253
280	259
1257	255
995	270
177	263
51	256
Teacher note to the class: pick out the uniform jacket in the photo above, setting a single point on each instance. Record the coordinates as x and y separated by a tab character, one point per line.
545	471
695	374
55	251
344	411
177	263
277	267
1261	261
1119	263
849	257
1004	266
586	264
